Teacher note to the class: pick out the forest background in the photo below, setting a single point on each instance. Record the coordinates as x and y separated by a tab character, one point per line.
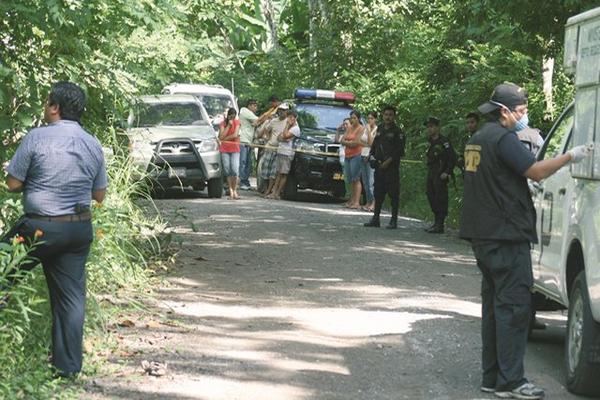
426	57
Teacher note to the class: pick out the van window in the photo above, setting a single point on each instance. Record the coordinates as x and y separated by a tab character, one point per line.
554	144
583	128
216	105
173	114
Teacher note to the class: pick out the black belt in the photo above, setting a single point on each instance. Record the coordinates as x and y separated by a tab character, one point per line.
85	216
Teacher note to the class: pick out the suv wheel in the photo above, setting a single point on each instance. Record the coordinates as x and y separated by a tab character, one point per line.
215	188
583	334
339	191
290	191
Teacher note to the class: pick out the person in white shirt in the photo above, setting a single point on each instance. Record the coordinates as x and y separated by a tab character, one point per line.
285	153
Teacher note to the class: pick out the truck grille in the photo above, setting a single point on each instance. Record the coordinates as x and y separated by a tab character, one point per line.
171	148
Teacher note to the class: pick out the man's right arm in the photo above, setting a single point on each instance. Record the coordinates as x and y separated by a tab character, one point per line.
98	195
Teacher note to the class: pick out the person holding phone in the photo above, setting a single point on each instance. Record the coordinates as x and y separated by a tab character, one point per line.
229	136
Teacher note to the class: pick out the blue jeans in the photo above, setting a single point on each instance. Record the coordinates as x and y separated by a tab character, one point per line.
231	163
367	175
245	164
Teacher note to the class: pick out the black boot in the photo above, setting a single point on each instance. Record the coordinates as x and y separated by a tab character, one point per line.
438	227
393	222
373	223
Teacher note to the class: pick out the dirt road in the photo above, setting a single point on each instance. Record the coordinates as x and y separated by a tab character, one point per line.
276	300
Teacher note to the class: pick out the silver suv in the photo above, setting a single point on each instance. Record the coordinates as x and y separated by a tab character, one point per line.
171	139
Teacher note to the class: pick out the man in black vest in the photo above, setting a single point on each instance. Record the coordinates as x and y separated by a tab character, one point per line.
386	151
440	163
498	218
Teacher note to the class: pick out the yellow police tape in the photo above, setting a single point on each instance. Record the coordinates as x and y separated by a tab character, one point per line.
316	153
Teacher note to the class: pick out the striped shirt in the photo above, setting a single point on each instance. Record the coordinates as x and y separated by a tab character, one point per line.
60	165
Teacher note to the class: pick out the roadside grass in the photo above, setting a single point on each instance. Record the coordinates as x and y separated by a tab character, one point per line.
128	248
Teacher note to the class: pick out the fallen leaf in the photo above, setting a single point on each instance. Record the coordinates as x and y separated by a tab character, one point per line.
153	325
154	368
200	258
127	323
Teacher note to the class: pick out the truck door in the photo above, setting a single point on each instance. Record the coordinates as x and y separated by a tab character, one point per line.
549	198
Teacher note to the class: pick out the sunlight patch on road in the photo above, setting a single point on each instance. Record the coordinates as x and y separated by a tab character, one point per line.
217	388
271	241
337	322
393	298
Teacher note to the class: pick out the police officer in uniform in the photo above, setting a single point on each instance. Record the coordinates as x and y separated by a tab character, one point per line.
440	163
498	218
384	157
60	168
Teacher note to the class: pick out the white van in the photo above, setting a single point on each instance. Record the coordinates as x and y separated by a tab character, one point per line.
566	262
215	98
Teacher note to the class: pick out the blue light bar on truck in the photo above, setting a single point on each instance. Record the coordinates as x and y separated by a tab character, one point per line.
316	94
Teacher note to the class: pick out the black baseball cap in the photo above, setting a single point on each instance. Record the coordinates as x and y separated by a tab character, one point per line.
432	120
506	94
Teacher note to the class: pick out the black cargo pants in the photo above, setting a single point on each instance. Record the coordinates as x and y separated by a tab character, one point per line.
437	194
62	249
506	303
387	181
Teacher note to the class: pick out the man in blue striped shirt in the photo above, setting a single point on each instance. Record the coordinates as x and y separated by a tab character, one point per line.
60	168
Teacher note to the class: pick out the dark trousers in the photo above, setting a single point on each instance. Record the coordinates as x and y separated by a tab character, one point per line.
387	181
62	249
437	194
506	303
246	156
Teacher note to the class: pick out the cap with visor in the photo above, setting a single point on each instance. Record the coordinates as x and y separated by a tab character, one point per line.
506	94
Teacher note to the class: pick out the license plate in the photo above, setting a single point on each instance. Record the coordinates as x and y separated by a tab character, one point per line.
338	177
177	172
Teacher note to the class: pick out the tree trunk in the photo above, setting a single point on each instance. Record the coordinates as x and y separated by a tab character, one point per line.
547	74
269	15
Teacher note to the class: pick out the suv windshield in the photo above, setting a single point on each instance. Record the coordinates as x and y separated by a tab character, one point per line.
321	116
170	114
216	105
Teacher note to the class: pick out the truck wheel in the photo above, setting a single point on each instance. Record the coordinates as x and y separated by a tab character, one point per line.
582	343
215	188
290	191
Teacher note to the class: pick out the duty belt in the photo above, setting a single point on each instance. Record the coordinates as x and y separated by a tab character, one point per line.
84	216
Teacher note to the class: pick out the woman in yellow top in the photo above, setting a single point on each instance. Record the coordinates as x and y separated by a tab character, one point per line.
352	163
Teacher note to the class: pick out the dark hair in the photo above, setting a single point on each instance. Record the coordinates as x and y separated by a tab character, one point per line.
273	98
69	98
388	107
293	113
251	101
356	114
372	114
473	115
231	112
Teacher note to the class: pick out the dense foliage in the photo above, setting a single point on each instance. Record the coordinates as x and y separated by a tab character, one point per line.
427	57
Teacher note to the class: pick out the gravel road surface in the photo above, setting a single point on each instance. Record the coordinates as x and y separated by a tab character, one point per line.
278	300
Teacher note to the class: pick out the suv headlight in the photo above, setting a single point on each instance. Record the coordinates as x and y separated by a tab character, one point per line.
307	146
139	146
207	145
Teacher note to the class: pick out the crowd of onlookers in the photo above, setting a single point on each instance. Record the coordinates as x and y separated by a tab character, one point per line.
370	153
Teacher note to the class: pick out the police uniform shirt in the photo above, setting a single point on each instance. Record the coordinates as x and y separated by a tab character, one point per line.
389	143
60	165
439	155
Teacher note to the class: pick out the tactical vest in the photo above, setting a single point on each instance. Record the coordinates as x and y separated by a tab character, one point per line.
497	204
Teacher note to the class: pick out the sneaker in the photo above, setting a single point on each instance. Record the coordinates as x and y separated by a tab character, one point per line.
486	389
527	391
245	187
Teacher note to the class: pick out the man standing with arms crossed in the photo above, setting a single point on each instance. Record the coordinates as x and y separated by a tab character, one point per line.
498	218
60	168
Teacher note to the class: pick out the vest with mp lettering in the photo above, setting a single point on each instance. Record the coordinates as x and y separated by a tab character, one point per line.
497	204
